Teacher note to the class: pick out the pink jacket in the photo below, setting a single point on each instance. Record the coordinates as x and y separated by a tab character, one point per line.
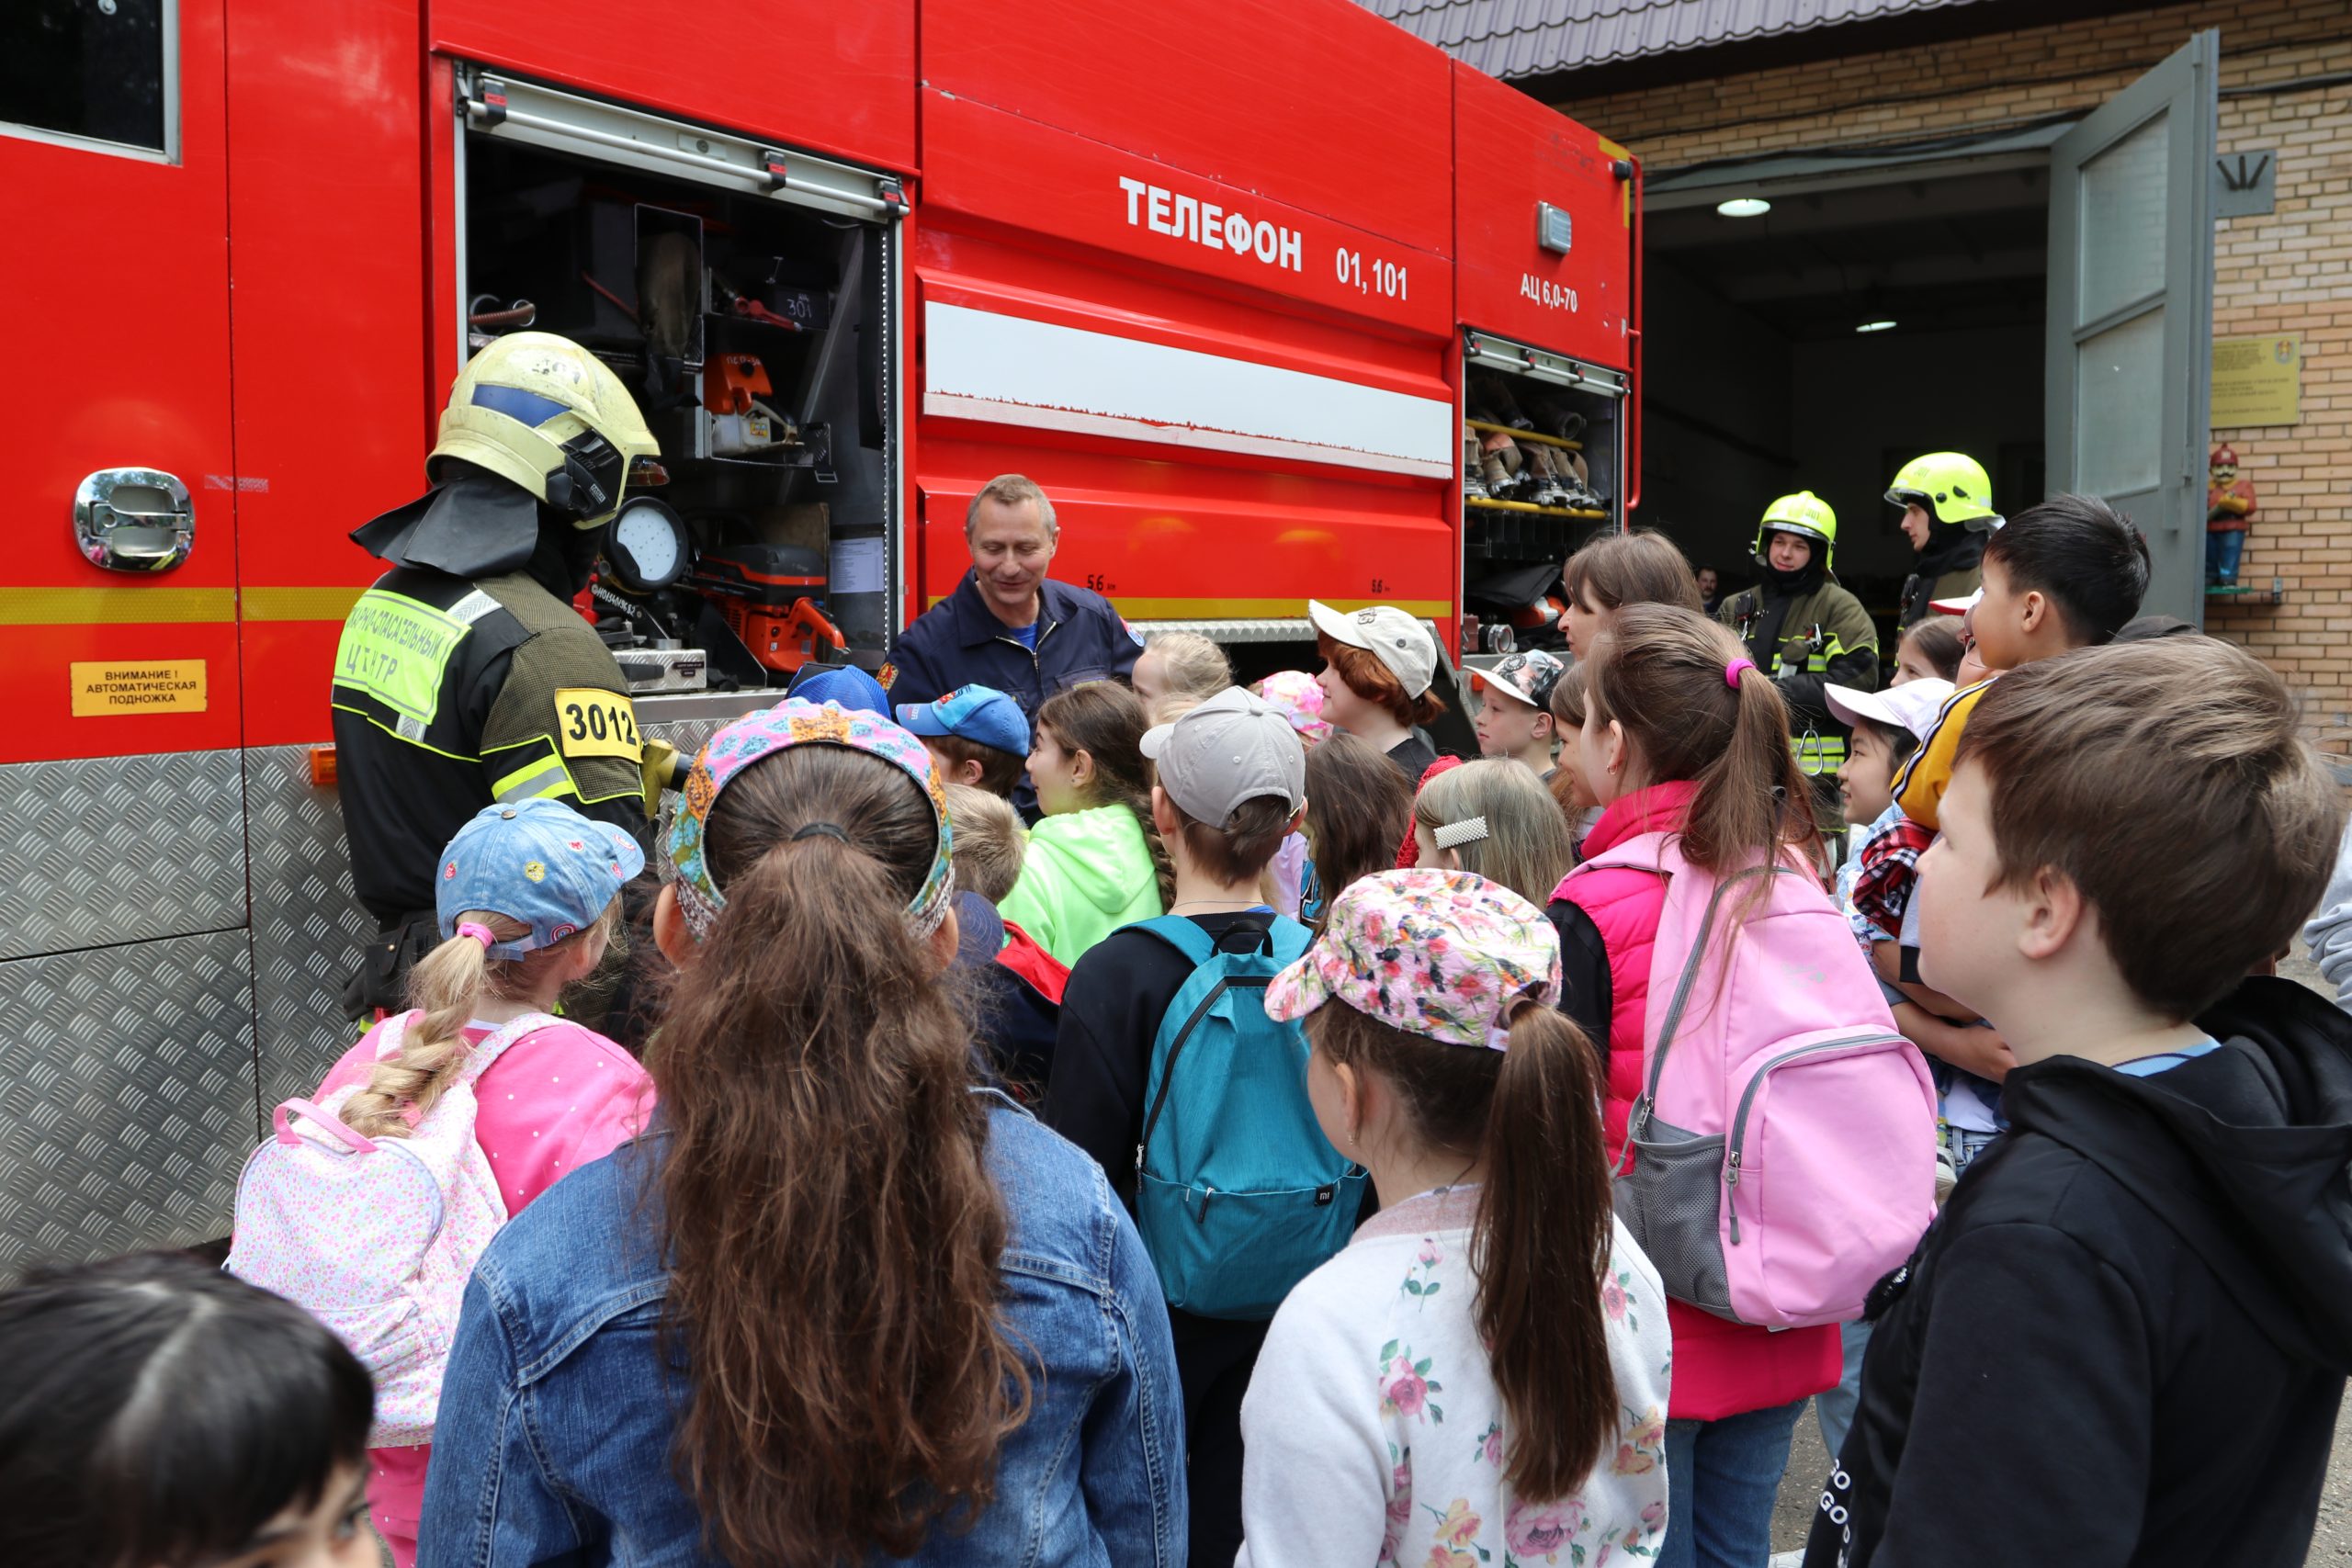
1721	1367
559	1097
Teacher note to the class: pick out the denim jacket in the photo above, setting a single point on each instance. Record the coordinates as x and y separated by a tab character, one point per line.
557	1415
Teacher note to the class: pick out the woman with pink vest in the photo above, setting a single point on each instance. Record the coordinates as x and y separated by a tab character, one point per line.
1683	735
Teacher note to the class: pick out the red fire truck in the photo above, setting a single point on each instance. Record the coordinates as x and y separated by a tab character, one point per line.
1240	282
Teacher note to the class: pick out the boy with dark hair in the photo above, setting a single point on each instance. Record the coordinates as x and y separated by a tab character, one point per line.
977	734
1232	786
2067	573
2125	1339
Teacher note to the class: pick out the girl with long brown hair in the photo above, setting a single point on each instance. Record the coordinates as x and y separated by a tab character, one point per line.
1358	807
840	1304
1095	862
1683	735
1481	1375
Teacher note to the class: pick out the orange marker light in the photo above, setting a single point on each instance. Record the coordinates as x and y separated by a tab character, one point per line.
323	767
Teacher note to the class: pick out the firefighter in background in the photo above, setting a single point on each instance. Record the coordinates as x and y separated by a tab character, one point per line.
1948	514
464	676
1807	633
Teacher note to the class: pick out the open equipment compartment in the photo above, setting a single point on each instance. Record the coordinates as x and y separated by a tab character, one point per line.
1542	460
748	297
1547	293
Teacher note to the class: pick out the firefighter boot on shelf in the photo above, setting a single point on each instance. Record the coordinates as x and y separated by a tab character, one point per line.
464	677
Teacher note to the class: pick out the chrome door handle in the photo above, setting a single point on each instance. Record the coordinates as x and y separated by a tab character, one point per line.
133	520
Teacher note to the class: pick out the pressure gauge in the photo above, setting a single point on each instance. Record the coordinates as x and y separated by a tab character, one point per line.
647	547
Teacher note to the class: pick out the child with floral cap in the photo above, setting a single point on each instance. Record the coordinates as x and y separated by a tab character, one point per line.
1481	1376
840	1304
528	900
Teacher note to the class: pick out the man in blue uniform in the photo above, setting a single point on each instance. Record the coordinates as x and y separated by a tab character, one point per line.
1009	625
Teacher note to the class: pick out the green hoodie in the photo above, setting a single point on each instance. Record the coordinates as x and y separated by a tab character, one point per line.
1086	874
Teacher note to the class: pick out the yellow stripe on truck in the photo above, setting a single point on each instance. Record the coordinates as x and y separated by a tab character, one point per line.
112	606
300	604
144	605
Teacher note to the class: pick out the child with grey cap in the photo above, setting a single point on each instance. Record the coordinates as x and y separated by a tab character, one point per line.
1232	786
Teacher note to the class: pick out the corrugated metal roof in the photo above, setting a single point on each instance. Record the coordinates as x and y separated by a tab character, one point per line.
1532	38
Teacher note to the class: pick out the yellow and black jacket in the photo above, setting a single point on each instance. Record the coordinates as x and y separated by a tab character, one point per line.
453	693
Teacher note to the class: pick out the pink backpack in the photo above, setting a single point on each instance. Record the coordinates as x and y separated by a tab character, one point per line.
377	1237
1783	1145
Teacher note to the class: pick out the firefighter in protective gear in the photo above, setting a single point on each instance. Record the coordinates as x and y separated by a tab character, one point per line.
1948	514
464	676
1807	633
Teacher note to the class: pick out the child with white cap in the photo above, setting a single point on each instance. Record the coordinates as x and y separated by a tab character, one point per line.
1231	786
1481	1375
1378	665
528	900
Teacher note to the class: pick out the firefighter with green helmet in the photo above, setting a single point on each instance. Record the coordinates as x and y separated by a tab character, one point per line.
1947	502
1807	633
464	677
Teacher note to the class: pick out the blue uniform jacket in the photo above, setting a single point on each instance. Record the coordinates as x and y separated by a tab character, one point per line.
959	642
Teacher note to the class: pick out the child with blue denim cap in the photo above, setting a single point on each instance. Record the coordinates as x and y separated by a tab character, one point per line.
978	735
842	1304
527	896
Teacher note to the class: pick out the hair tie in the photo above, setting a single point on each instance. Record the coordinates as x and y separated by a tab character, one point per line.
480	933
1731	671
828	829
1467	831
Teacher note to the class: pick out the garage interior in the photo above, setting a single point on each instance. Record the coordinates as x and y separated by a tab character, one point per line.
1769	369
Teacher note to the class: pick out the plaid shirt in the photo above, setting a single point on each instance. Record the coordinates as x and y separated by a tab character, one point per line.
1888	867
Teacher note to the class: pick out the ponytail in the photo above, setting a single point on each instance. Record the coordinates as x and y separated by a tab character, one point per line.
1542	1233
832	1227
1539	1249
447	987
1690	708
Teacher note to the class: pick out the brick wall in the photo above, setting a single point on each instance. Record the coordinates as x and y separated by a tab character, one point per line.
2287	272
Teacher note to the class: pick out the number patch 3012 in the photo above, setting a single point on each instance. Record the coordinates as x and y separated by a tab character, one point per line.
593	722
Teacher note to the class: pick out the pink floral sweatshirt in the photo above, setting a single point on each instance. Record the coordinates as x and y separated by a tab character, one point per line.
1373	1433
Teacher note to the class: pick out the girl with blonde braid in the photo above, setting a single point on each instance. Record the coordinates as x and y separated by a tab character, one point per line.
529	902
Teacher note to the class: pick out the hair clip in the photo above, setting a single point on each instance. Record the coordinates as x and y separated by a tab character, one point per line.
1468	831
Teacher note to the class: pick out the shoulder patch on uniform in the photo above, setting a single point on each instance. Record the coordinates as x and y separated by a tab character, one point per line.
886	676
592	722
1133	634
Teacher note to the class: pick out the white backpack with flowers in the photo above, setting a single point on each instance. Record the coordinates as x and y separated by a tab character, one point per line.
375	1238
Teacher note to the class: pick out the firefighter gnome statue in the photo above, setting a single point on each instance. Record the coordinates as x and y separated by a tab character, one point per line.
464	676
2229	504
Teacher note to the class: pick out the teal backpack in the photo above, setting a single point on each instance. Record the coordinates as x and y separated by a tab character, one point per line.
1239	1195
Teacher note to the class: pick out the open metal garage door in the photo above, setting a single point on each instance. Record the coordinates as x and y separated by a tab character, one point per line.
2132	312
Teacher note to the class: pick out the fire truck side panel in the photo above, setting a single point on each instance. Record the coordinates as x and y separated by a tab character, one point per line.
1316	102
1516	153
333	407
128	1062
1238	398
323	444
827	76
121	349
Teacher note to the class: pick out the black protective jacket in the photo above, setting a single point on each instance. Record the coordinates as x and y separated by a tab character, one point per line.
1951	567
2124	1340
